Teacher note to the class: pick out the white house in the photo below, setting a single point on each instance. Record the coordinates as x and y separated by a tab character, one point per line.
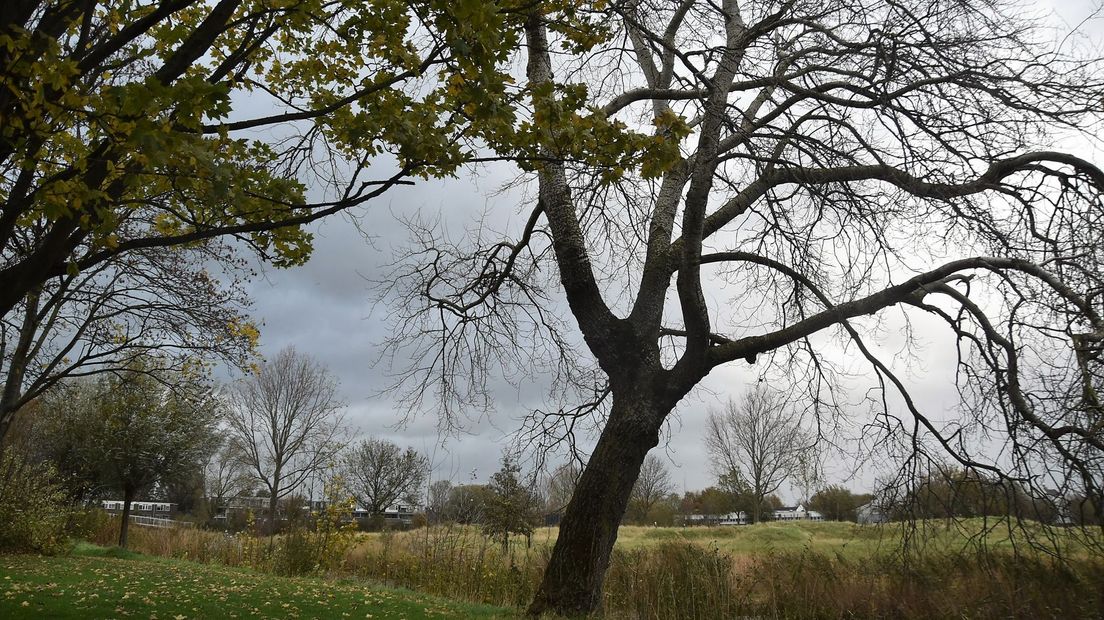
870	513
797	513
786	513
400	513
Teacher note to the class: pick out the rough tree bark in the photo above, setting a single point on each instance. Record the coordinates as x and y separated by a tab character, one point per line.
572	583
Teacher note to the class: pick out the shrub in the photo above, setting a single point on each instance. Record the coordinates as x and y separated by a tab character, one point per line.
294	555
87	523
307	549
33	510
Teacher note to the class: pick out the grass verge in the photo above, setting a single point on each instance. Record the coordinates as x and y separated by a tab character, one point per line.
98	582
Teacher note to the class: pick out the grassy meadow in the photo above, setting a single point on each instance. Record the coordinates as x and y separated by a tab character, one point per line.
970	569
97	582
834	538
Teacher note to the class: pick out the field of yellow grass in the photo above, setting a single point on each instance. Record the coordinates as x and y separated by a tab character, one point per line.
839	539
970	569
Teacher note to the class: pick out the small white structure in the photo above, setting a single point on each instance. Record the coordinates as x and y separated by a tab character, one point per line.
159	509
870	513
786	513
400	513
730	518
797	513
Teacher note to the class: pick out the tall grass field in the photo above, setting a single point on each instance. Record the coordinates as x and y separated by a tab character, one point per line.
969	569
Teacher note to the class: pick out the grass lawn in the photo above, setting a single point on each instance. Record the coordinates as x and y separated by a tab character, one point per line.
96	582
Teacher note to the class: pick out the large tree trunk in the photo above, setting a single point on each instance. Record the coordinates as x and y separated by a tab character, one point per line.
572	584
6	418
12	391
124	526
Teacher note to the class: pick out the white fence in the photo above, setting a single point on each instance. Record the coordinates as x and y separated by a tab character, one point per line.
158	522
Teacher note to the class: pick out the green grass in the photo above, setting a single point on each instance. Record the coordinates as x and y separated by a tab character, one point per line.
98	582
836	539
846	539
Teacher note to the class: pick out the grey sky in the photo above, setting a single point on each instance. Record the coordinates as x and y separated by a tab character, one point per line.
324	309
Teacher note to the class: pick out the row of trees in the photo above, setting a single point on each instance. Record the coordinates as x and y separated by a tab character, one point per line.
655	502
145	431
835	502
652	490
759	442
949	492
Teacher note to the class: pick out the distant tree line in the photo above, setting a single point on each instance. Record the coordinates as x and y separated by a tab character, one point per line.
957	492
758	443
272	442
151	433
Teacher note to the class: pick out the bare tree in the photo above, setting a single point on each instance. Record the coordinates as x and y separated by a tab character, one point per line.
437	498
285	420
808	471
167	305
561	486
225	474
653	484
836	163
757	441
379	474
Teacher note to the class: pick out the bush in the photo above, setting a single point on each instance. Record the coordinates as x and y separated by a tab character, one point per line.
374	523
33	510
307	550
87	524
295	555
